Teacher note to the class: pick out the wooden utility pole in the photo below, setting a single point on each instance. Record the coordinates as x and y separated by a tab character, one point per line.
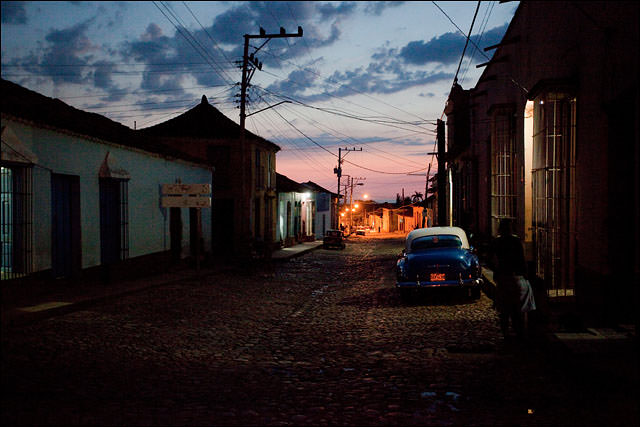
442	175
338	171
352	184
249	65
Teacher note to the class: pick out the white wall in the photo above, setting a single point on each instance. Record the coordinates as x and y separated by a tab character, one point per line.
148	222
281	227
322	199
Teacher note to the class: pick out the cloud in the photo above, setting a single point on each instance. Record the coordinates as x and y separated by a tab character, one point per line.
68	52
223	42
372	82
377	7
162	56
116	20
330	10
103	79
13	12
491	37
447	48
296	82
229	27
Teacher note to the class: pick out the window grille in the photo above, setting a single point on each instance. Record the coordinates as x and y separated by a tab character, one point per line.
503	169
553	176
269	170
16	224
124	219
260	171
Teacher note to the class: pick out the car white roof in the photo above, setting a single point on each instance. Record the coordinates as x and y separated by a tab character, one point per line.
437	231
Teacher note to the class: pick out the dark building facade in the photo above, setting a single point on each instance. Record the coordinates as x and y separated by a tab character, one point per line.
244	179
549	138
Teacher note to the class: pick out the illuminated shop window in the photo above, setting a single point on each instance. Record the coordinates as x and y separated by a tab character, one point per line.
553	179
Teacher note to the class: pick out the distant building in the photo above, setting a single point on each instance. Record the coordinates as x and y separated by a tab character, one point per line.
289	216
325	204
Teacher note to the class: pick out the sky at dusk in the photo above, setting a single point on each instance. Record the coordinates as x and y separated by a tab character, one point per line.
370	75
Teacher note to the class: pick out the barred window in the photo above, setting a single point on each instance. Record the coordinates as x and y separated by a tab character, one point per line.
503	168
16	225
259	171
553	176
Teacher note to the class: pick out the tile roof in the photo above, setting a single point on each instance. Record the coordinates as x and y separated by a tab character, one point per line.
24	104
203	121
287	185
316	187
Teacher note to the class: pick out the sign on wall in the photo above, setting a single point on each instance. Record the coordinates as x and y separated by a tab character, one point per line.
186	196
186	188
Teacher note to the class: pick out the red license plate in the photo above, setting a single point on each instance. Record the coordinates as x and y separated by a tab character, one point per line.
437	277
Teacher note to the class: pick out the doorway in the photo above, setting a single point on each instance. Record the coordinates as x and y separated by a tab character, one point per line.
66	250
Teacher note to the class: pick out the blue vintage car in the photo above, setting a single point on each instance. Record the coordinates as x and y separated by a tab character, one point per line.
438	257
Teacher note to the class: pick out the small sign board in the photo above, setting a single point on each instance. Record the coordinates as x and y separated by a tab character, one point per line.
186	188
186	202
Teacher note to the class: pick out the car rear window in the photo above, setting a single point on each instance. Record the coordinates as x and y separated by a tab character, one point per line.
433	242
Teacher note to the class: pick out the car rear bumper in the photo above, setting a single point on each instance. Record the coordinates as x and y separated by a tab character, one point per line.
469	283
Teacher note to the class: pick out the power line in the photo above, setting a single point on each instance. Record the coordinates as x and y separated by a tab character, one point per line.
483	26
191	39
208	57
479	50
209	35
107	64
341	113
455	79
336	83
346	161
333	132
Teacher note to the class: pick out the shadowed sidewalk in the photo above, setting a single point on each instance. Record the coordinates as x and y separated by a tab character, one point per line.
51	298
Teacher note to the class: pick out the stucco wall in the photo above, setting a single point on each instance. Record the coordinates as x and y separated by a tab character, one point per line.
74	155
593	44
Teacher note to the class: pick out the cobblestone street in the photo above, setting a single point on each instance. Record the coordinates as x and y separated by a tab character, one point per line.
322	339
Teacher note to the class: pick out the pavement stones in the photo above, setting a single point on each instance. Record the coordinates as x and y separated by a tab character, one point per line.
320	340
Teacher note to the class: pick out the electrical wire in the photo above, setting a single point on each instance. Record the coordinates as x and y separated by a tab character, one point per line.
346	161
195	44
455	79
333	132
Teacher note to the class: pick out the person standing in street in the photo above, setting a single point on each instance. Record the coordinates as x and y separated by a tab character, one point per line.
508	263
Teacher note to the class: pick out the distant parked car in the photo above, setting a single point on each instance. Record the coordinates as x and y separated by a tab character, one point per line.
438	257
360	231
333	238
